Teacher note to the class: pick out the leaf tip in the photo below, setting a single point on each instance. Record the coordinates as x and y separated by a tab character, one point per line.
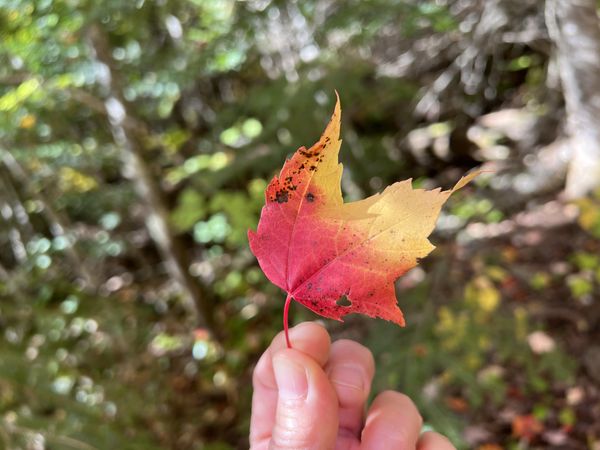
338	103
466	180
332	131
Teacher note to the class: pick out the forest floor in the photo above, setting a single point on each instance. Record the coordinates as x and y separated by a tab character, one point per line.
553	272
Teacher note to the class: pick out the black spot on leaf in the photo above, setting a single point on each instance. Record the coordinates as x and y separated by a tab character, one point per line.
281	196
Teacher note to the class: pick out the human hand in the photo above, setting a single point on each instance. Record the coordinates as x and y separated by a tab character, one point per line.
313	397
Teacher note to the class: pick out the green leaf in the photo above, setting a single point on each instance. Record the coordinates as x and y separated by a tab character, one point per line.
191	207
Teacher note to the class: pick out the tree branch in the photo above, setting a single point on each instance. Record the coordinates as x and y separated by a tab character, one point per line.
57	224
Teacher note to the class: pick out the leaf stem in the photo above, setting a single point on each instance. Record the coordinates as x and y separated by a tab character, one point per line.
286	310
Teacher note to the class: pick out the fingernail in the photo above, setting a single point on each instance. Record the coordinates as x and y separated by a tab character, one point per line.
291	378
348	375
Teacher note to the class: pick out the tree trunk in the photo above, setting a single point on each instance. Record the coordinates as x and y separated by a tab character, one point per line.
574	27
171	248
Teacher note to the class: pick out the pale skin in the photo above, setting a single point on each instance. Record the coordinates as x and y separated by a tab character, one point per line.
313	397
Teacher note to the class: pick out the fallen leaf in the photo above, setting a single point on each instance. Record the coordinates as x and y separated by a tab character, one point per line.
540	342
477	434
556	437
527	427
319	249
490	447
575	395
457	404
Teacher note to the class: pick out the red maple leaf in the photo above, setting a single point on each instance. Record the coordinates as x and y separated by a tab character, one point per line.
318	248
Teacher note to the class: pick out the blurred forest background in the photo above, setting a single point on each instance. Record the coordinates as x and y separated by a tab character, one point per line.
136	140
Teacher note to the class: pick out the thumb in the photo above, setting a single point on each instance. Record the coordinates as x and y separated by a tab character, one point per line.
307	406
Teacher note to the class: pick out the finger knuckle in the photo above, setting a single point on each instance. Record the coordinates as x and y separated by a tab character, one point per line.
290	431
401	400
358	352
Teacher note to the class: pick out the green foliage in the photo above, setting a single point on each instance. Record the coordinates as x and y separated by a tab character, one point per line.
50	389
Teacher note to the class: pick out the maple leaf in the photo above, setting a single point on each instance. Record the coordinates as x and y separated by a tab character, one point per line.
319	249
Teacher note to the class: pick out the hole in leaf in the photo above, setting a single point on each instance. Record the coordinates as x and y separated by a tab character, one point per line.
343	301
